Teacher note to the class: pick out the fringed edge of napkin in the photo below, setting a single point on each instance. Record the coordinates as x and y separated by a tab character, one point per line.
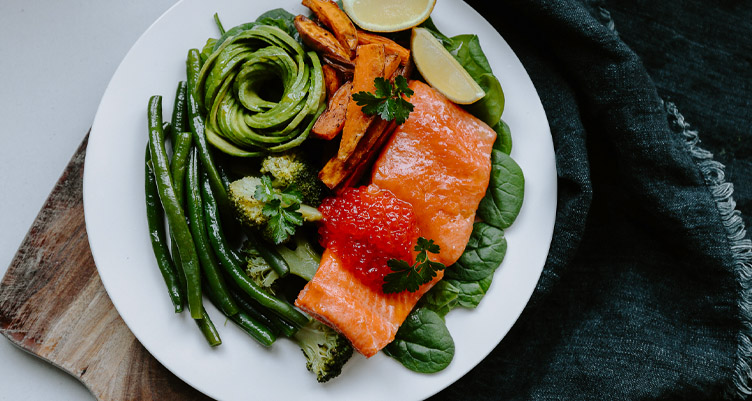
741	247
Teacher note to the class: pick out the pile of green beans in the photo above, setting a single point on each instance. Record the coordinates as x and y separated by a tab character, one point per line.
188	191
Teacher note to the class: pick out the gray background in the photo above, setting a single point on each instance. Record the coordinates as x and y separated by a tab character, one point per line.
58	57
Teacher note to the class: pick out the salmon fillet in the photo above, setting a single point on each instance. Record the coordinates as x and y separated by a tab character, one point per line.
439	162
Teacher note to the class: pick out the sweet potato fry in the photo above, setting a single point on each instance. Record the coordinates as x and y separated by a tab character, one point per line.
332	80
320	39
391	63
331	16
345	68
366	38
332	120
369	65
339	174
366	152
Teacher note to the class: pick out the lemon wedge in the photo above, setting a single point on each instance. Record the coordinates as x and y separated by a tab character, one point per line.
441	70
388	15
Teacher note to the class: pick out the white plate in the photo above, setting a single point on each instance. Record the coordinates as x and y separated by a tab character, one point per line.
240	368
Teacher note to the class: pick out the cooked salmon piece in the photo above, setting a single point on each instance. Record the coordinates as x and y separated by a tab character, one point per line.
439	162
367	317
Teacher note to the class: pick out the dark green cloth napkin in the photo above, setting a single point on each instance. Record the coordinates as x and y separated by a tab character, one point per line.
646	291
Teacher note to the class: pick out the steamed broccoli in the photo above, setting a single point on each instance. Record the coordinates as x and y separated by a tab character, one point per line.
248	209
303	260
258	269
273	213
326	351
292	168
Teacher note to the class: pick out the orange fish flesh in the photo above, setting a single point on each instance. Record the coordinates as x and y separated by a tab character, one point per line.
439	162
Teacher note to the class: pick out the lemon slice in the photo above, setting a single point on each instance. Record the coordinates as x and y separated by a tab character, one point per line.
388	15
441	70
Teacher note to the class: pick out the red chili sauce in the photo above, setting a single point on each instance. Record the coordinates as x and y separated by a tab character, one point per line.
366	227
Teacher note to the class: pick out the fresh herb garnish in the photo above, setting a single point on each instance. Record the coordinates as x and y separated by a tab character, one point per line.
387	102
410	278
281	207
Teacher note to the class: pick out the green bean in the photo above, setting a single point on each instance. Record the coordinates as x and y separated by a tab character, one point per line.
256	329
282	326
219	24
214	228
247	306
179	119
235	269
209	265
172	208
273	258
207	329
253	309
178	265
198	128
181	152
155	220
181	149
223	175
282	308
166	129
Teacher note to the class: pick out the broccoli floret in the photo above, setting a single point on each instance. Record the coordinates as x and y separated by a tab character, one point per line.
303	260
258	269
292	168
250	211
326	351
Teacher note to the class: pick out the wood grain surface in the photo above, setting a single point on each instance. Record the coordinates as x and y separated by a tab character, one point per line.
53	305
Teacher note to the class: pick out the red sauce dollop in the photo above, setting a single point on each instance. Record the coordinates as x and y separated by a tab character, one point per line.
366	227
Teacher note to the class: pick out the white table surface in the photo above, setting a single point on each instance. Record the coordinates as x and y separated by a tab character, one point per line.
57	58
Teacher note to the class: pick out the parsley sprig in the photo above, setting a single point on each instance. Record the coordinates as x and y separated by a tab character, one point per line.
281	207
410	278
387	101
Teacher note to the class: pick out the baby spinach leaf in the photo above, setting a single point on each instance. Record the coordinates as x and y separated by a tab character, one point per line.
423	343
441	298
280	18
490	107
466	49
471	292
506	188
503	137
483	254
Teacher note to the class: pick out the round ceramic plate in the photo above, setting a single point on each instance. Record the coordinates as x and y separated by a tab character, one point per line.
240	368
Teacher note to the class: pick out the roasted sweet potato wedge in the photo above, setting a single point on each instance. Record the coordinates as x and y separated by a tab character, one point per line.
331	16
345	68
367	38
338	173
391	63
369	65
332	120
366	152
320	39
332	80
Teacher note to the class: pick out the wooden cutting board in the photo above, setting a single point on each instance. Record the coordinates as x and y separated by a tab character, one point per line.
53	305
